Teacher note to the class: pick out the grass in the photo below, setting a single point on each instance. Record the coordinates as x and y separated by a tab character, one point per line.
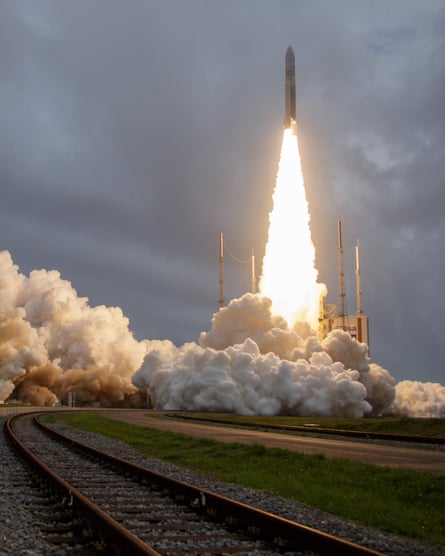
400	501
390	425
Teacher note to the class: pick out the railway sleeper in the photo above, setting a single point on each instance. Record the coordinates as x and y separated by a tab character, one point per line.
165	527
215	507
244	550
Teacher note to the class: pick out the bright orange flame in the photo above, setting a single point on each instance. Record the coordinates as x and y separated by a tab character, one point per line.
289	275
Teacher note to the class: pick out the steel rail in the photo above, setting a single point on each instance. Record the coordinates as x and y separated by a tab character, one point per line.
281	532
112	532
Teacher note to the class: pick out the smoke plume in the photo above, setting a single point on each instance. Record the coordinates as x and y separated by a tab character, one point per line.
249	362
52	342
420	399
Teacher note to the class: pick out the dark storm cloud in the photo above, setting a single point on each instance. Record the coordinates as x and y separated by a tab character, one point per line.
387	162
133	133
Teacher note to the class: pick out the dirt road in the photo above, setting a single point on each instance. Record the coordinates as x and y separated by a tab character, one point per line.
377	454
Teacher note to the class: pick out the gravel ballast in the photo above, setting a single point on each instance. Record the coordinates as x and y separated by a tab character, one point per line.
19	527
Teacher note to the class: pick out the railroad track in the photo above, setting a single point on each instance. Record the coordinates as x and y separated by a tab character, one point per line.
135	511
318	430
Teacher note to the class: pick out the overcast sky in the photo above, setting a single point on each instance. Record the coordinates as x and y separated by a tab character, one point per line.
133	132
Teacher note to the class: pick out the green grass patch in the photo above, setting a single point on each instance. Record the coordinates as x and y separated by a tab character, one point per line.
400	501
389	425
51	418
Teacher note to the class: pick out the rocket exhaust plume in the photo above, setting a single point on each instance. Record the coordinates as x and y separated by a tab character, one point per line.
289	276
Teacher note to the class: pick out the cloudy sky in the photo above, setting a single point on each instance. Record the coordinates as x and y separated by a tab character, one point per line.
132	133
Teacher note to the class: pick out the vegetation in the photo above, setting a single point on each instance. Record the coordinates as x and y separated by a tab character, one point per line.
400	501
409	426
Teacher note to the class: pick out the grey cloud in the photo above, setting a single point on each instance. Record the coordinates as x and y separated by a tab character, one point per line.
134	133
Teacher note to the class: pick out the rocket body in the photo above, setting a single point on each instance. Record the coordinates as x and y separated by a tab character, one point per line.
290	117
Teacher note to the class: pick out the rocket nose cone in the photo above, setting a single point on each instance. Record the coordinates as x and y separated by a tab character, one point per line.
290	59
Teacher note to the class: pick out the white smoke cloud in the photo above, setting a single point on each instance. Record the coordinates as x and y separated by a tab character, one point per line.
342	347
380	387
419	399
251	317
242	380
52	343
251	363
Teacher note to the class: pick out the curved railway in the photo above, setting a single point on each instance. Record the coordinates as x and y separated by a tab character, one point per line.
133	510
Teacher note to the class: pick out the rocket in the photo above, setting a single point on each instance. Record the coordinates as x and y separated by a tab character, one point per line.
290	118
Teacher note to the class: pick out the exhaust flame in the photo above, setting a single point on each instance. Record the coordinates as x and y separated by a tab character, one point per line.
289	275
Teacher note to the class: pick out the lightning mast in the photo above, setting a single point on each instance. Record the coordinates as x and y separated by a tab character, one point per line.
337	317
341	279
253	286
221	271
358	281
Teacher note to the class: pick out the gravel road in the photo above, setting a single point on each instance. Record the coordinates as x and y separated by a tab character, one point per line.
377	453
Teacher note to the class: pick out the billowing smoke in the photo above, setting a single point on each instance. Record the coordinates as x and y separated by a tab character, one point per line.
420	399
52	342
250	362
